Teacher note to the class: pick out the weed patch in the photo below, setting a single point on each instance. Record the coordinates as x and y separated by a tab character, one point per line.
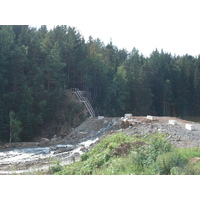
121	154
55	168
171	163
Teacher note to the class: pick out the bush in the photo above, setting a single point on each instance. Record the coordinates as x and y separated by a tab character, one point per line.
146	155
171	163
157	147
84	156
189	152
55	168
192	169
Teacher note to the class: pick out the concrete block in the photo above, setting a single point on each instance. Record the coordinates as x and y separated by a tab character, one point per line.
189	127
128	115
100	117
173	122
150	117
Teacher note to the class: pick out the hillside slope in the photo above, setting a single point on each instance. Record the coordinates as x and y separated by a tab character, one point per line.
72	114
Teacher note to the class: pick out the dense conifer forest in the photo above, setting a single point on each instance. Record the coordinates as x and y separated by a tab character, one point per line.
38	65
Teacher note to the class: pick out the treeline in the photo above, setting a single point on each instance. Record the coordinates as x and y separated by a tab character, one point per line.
38	65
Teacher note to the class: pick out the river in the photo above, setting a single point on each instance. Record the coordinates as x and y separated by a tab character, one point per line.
26	160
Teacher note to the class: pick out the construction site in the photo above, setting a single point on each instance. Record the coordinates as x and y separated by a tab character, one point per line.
26	157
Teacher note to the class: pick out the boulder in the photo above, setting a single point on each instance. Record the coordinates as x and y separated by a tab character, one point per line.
62	148
53	148
54	139
83	149
124	124
76	154
45	140
70	148
132	122
8	145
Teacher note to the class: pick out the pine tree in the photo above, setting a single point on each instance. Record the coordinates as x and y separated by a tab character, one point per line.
196	96
4	123
168	98
15	127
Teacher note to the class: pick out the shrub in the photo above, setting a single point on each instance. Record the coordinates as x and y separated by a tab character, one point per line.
55	168
139	158
146	155
189	152
156	147
170	162
84	156
192	169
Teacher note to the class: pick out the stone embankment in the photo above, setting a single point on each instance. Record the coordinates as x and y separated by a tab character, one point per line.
25	157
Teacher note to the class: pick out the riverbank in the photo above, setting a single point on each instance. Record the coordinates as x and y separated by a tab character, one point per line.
39	157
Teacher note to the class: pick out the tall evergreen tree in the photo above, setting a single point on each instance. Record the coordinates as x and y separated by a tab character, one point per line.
37	65
196	91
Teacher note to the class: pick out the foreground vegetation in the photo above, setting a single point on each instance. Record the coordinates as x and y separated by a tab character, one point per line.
120	154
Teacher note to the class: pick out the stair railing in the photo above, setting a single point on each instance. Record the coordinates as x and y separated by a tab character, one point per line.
83	99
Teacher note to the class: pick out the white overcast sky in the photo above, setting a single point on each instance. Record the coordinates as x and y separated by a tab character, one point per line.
171	25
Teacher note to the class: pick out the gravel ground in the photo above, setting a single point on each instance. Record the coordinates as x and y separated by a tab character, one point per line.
177	134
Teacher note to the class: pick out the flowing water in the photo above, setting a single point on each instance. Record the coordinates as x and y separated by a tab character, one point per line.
20	156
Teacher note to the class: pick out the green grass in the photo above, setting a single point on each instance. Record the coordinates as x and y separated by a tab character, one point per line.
120	154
